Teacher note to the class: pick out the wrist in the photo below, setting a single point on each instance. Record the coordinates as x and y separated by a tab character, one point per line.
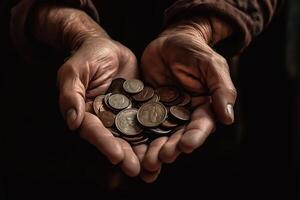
211	29
63	27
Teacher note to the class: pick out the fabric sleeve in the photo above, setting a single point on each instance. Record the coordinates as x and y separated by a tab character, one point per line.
247	17
19	23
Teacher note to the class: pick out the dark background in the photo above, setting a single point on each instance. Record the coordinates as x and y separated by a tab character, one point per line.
253	159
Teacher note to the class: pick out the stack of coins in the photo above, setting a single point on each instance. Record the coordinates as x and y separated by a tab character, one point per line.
139	113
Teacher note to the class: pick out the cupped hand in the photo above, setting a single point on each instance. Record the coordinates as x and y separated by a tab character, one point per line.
87	74
95	61
181	56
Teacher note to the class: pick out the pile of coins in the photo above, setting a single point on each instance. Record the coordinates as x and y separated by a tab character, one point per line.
138	113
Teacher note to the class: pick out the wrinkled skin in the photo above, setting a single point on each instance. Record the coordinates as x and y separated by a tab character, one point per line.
87	74
181	56
95	61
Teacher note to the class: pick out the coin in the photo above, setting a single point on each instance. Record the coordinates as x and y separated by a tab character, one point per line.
187	99
169	124
160	131
180	113
114	132
116	86
98	104
146	94
167	93
133	86
118	110
177	101
140	142
106	100
89	107
107	118
126	122
118	101
134	139
152	114
155	98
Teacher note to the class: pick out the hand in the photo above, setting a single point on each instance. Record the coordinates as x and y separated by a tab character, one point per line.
95	61
181	56
87	74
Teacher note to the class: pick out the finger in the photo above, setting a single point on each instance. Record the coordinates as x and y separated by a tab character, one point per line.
201	125
150	177
203	68
151	160
95	133
140	151
169	152
130	165
222	89
71	96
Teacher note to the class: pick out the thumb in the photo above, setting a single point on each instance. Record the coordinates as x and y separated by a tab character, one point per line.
222	89
71	96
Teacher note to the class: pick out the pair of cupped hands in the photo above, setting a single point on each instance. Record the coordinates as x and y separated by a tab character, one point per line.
181	55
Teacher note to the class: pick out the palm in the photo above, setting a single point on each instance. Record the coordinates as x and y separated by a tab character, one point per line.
166	63
95	65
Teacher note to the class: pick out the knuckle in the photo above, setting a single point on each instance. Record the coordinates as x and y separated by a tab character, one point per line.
232	92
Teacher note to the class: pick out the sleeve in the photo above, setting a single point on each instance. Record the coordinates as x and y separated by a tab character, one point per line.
247	17
20	20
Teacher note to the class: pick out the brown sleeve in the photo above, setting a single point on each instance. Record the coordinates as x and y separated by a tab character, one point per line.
247	17
20	21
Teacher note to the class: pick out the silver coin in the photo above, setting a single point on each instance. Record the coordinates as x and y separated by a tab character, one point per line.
126	122
133	86
118	101
152	114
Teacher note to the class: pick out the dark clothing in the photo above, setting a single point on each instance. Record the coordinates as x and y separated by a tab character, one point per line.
248	17
43	160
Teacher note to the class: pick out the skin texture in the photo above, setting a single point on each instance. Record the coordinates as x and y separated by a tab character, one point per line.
95	61
180	55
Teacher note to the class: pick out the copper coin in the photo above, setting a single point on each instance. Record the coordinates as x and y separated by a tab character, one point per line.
146	94
107	118
118	101
177	101
155	98
89	107
167	93
169	124
133	86
126	122
98	104
152	114
116	86
180	113
187	99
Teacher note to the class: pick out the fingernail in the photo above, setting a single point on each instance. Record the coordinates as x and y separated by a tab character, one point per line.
71	117
230	112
